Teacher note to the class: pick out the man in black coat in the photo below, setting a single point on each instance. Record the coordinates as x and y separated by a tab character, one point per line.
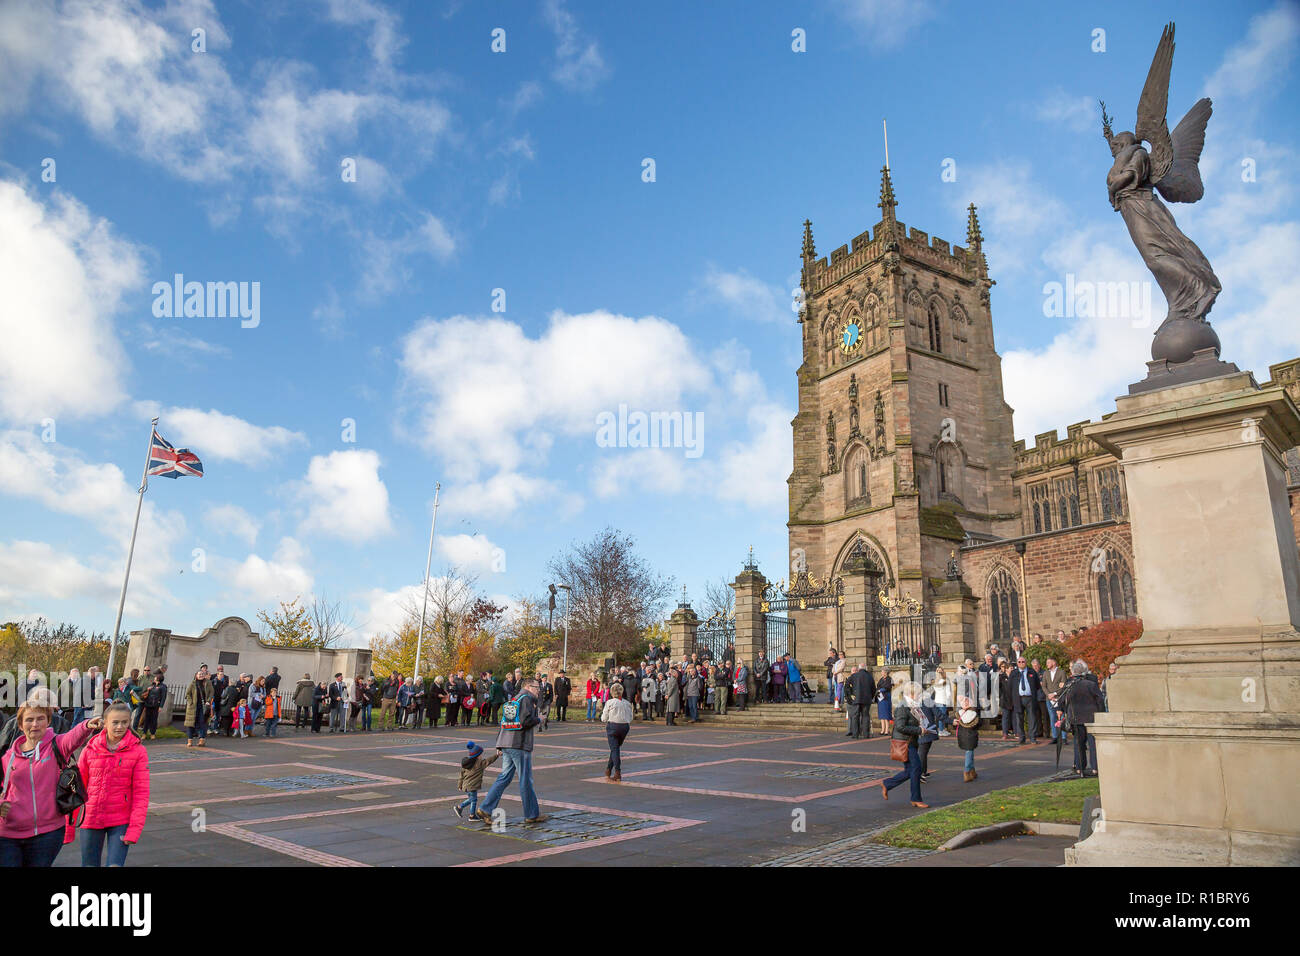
861	687
1080	698
272	680
229	701
1024	686
563	688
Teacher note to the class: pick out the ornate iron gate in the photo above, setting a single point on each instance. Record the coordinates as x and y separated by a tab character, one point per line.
780	635
714	636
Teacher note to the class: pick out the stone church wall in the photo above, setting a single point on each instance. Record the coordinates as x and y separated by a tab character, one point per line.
1060	587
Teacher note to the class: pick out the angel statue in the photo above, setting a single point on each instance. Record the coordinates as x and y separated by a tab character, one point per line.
1180	268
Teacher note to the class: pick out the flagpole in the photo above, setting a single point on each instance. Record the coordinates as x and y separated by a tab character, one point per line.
130	553
428	563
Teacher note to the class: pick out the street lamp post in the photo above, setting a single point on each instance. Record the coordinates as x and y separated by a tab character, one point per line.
568	597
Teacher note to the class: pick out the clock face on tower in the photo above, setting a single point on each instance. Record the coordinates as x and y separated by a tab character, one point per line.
850	337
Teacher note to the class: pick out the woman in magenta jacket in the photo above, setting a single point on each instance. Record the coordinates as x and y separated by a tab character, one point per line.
115	768
31	826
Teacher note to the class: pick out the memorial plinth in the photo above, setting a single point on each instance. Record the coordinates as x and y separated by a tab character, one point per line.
1199	757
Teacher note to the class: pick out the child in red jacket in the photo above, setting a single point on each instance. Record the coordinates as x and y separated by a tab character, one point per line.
115	768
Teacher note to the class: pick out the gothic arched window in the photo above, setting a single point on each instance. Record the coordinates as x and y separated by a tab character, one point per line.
1108	490
1116	598
936	329
1004	607
857	489
1038	520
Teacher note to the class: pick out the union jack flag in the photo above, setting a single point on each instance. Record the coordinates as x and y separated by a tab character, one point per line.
170	462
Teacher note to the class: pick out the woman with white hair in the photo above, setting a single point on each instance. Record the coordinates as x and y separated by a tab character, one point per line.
1080	700
617	717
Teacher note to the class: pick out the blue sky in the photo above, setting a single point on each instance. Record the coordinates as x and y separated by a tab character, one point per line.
523	171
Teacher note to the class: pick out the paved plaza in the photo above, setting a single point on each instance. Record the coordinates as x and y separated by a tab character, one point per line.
690	796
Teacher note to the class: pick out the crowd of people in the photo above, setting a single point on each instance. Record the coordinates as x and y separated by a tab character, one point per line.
42	807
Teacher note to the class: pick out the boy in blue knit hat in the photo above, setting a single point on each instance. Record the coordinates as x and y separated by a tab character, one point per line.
471	777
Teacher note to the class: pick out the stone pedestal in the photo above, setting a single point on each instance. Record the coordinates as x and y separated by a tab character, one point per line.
751	625
681	632
955	604
1200	755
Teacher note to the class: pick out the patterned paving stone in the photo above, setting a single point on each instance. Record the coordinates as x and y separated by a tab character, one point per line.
564	827
845	774
161	755
308	781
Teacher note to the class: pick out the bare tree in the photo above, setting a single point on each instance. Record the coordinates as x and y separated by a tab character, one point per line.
616	595
331	622
719	598
451	597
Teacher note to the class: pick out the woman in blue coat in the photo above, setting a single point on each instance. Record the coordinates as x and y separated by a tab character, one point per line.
792	678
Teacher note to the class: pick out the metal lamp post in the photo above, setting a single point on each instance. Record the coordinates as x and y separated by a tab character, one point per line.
568	597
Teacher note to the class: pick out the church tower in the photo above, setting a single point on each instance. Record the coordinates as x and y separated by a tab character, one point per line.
903	441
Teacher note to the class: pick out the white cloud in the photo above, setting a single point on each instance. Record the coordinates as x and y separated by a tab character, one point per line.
232	520
386	267
1077	113
471	553
1260	60
885	23
486	395
1018	215
748	297
345	497
64	275
384	611
505	492
282	578
660	470
386	38
57	479
213	434
128	72
32	572
579	64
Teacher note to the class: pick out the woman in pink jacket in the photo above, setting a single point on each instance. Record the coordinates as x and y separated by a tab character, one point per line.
31	826
115	768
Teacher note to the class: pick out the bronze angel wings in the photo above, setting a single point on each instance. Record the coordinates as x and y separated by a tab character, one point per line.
1174	156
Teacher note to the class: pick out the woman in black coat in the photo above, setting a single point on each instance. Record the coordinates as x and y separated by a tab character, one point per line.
908	720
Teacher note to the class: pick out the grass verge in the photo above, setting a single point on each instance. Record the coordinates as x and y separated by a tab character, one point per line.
1058	801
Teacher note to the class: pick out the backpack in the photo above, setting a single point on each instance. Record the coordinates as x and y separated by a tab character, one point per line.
511	715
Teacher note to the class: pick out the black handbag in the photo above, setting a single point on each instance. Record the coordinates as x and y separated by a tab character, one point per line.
70	794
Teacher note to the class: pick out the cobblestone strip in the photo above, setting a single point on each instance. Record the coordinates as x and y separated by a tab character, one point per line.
852	851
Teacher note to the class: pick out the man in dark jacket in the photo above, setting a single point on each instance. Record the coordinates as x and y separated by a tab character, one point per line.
563	687
1024	698
272	680
861	687
762	672
229	701
1080	698
519	720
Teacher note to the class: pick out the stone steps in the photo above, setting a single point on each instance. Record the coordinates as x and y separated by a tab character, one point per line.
807	717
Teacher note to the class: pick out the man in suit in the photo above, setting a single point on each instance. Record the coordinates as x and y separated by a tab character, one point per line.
563	688
1053	679
860	689
338	695
1024	685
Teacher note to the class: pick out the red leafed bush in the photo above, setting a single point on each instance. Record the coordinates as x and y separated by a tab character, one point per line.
1104	643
